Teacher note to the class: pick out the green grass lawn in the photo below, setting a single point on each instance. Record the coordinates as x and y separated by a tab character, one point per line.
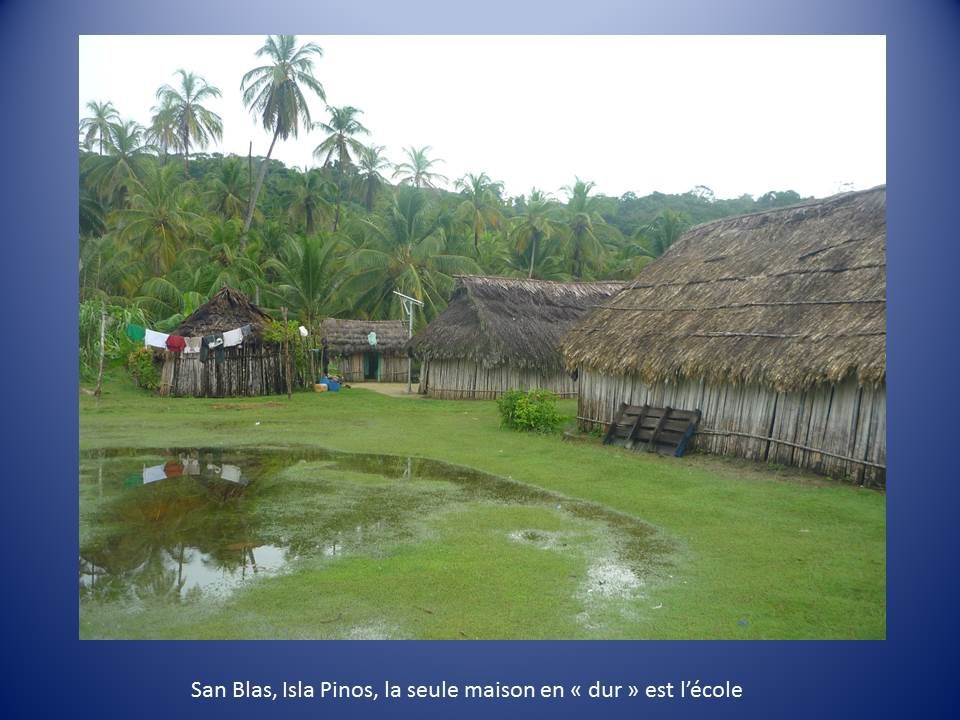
758	552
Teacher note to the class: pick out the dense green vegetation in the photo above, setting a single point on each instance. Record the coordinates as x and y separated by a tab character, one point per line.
164	224
758	552
534	410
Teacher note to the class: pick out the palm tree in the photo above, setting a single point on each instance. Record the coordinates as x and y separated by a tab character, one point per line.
223	264
157	221
340	130
633	255
481	204
273	92
96	128
228	189
163	127
306	271
118	172
548	262
308	201
170	298
537	223
193	122
404	251
108	267
585	227
666	229
371	162
339	143
92	210
416	171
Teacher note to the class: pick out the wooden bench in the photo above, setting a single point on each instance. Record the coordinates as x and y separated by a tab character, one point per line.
662	430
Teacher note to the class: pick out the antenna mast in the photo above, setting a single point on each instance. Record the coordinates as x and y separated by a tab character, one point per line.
408	304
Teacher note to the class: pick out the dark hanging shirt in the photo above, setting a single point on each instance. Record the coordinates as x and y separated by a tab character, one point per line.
212	342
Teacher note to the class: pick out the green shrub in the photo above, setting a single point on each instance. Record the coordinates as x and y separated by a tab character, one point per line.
534	410
117	345
507	404
277	332
143	370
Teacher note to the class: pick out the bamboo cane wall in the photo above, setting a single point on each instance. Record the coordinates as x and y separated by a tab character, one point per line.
245	370
393	368
464	379
844	419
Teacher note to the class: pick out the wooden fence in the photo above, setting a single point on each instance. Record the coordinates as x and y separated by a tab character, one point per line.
465	379
837	430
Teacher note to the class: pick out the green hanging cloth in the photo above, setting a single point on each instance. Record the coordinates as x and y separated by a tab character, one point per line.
135	332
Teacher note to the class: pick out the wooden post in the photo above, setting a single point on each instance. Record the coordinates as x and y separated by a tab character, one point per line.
313	364
103	334
409	357
286	350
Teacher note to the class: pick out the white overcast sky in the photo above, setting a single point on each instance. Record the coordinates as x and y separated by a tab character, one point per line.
739	114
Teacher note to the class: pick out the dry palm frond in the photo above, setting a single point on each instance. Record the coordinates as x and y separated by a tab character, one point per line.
494	320
791	298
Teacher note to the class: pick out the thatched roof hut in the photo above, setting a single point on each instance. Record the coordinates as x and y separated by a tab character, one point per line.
789	298
347	343
253	368
347	337
227	310
785	302
498	334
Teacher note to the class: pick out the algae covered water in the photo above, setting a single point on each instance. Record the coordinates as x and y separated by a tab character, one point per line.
307	543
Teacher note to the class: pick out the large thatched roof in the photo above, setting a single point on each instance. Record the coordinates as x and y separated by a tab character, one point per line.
227	310
494	320
791	297
346	337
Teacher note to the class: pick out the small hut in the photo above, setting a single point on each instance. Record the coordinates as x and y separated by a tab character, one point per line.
500	334
252	368
365	350
773	325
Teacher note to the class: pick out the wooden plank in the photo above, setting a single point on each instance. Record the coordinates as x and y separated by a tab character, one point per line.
636	425
613	425
656	431
681	446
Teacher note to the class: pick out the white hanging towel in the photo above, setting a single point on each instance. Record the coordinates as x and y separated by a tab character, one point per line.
232	337
155	339
230	473
192	346
152	474
303	331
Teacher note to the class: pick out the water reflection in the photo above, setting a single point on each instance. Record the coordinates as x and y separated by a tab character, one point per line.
179	573
186	465
182	525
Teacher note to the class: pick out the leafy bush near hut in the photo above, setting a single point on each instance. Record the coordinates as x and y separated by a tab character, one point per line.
534	410
117	345
277	332
143	370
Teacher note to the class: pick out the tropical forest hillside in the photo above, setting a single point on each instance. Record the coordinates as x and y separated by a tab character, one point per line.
164	224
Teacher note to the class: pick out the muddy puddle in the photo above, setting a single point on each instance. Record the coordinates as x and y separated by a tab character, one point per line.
191	526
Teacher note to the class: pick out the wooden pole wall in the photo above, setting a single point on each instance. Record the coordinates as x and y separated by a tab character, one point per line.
844	420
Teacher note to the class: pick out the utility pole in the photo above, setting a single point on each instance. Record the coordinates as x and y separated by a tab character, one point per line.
408	304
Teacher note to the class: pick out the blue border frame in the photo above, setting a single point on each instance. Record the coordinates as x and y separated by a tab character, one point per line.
48	671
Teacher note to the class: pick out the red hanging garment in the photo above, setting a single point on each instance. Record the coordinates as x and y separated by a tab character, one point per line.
175	343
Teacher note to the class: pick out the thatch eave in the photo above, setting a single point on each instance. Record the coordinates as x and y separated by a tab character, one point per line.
495	321
229	309
344	337
792	298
